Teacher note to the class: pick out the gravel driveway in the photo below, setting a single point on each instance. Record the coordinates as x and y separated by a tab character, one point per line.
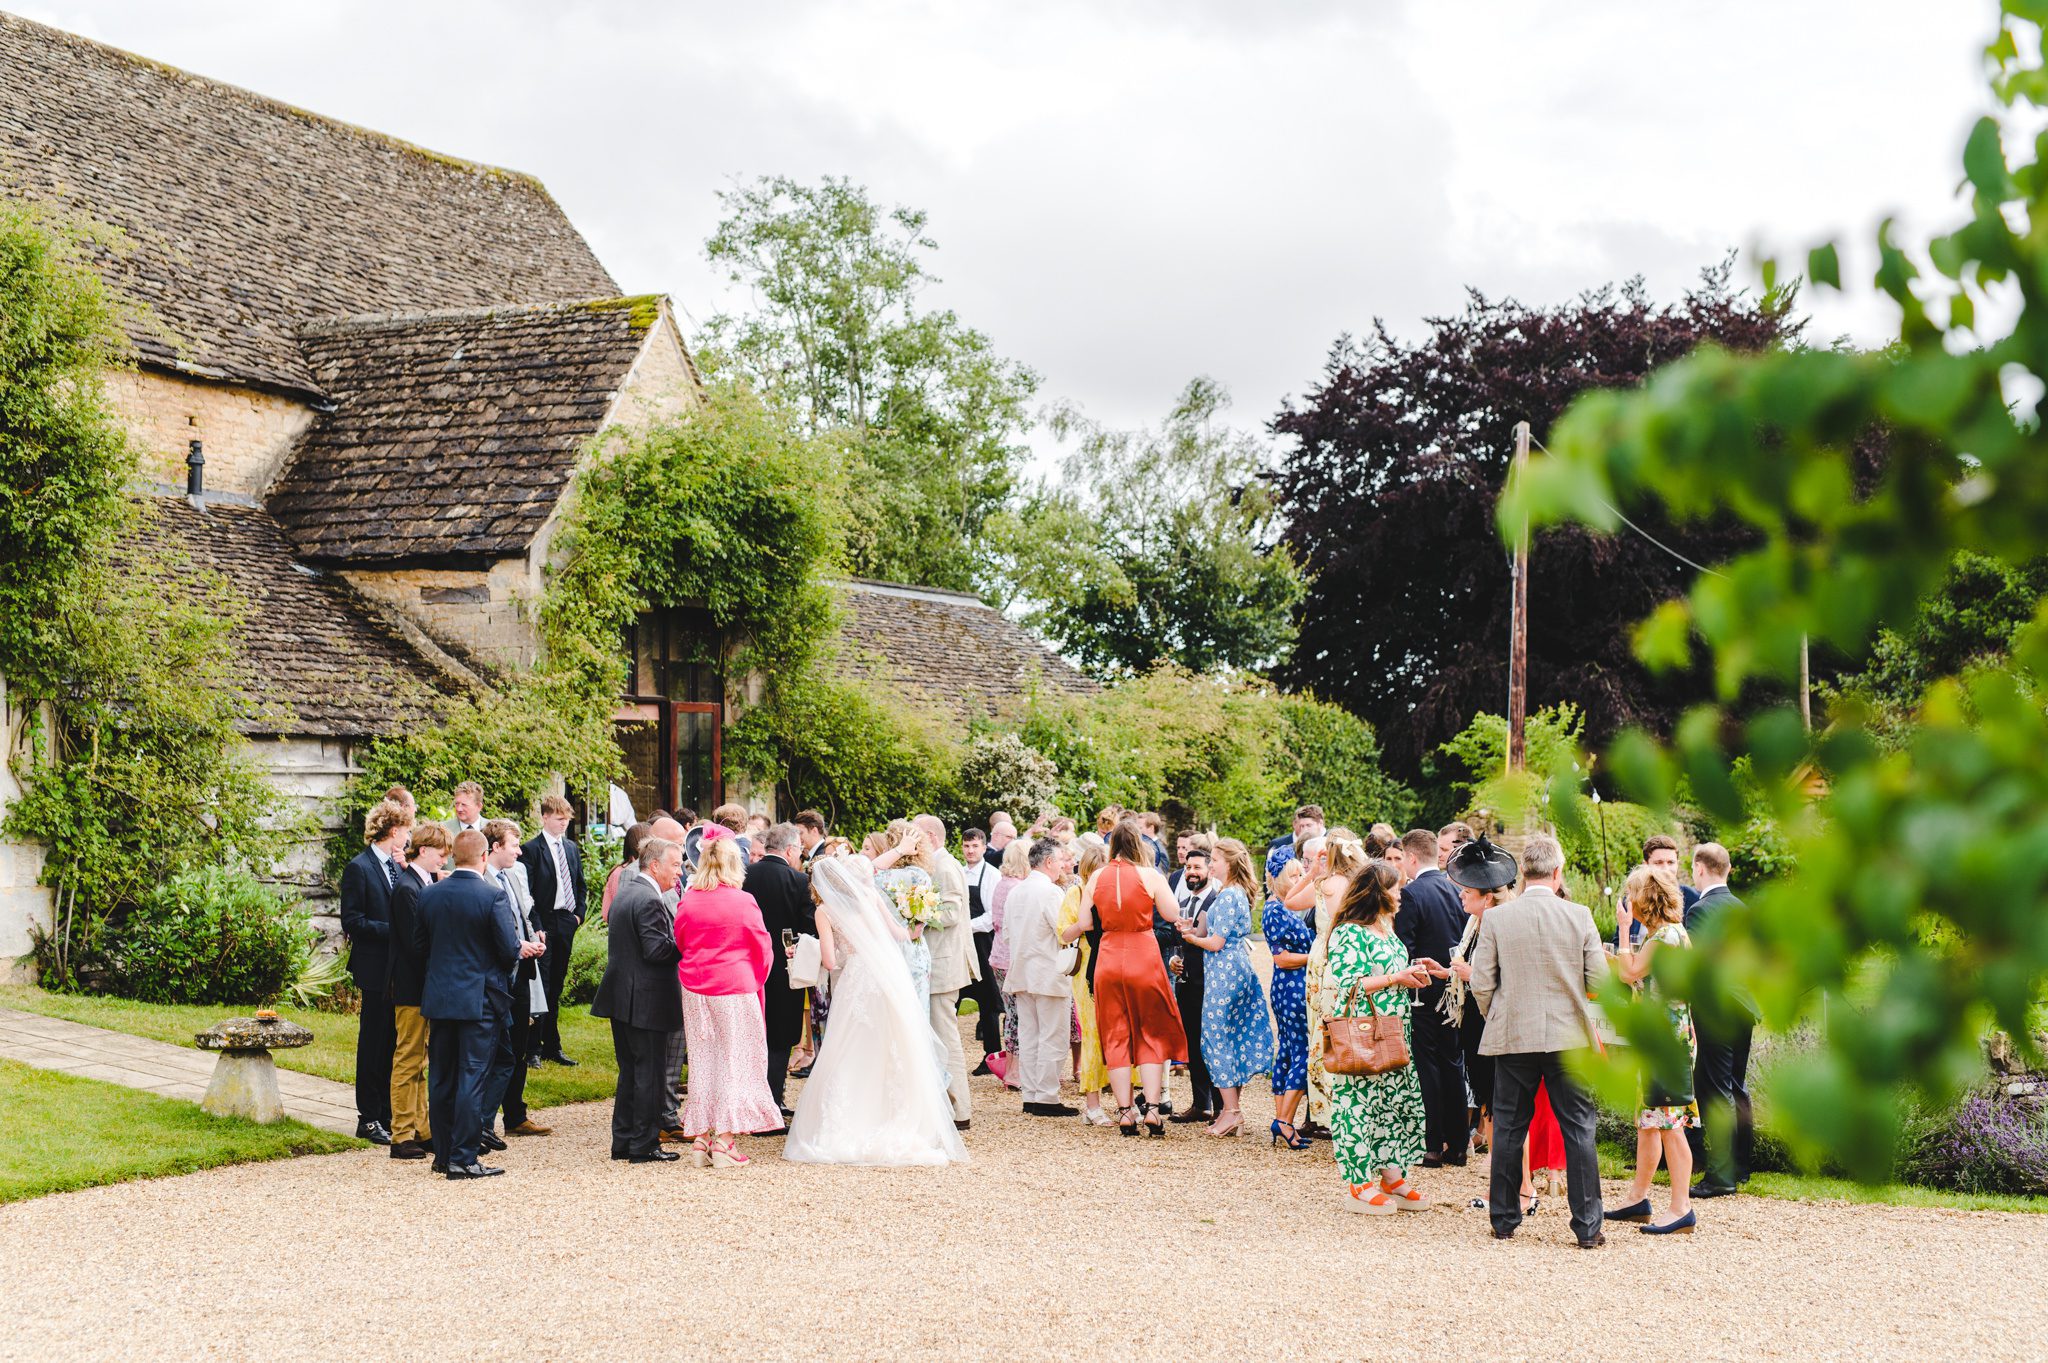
1057	1242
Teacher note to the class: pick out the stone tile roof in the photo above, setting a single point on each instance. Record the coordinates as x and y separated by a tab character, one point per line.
245	217
315	656
453	434
948	650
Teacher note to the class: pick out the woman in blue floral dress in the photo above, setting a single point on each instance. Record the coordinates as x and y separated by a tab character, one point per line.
1290	937
1237	1032
1376	1120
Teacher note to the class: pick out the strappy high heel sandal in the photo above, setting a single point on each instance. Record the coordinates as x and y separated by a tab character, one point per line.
1155	1118
1127	1121
1284	1131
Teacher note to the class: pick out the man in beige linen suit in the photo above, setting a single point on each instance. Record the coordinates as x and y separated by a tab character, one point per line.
1534	964
954	966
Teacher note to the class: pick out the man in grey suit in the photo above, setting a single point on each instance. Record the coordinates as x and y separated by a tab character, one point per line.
642	998
1535	963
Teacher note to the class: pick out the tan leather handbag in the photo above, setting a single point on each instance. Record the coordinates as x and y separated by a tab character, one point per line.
1373	1044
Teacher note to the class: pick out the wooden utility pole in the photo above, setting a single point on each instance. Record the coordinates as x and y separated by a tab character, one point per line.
1518	625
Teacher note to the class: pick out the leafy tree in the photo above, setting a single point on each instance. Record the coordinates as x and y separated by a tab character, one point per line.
1920	873
63	458
936	413
1388	491
1208	751
1971	619
141	773
1157	546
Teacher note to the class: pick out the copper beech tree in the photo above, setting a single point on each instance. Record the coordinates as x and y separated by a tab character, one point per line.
1388	488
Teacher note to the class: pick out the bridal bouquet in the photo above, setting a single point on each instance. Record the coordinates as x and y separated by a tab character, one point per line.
916	904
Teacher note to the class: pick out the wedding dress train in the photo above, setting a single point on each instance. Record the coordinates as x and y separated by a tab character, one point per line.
872	1097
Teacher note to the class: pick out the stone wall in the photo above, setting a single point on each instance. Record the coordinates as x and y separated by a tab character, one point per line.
24	904
247	433
489	614
485	615
314	771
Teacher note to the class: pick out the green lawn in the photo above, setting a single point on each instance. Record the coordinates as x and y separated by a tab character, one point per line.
59	1132
1619	1163
332	1055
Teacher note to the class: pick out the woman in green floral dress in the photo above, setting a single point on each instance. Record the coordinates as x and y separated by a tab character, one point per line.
1376	1120
1652	898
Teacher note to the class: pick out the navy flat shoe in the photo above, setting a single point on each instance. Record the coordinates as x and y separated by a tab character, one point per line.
1682	1226
1635	1211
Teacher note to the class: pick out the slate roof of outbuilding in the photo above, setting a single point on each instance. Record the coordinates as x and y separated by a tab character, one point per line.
313	654
948	650
453	434
245	217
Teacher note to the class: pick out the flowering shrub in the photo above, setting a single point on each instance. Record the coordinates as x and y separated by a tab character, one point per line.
1991	1143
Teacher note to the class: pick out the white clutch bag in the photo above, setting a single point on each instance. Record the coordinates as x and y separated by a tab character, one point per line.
805	964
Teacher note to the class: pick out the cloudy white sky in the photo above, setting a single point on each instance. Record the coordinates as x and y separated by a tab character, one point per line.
1129	194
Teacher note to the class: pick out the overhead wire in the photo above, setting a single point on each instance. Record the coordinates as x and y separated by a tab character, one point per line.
1617	512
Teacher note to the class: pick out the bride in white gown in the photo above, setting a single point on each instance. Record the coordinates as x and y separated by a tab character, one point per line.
872	1097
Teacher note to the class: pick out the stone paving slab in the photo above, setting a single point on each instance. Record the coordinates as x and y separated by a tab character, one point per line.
158	1067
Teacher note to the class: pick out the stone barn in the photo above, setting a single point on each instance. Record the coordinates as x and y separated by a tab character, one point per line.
364	375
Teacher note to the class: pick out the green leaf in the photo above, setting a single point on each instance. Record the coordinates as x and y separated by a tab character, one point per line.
1823	266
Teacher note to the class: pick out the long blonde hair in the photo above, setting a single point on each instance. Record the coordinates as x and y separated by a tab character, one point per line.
1653	898
918	848
1094	856
1237	862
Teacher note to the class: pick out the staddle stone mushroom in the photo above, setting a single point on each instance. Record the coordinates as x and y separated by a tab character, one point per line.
245	1078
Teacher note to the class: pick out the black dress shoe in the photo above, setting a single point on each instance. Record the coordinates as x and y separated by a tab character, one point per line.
1050	1110
1503	1235
980	1070
1706	1189
440	1166
656	1157
1454	1161
461	1171
373	1132
960	1123
532	1062
408	1150
778	1131
622	1154
1596	1241
1432	1161
558	1058
1191	1115
491	1140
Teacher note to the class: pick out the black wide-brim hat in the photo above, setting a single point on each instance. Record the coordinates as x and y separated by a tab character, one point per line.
1479	865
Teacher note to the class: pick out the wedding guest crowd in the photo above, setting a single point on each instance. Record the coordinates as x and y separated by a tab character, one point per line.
1473	974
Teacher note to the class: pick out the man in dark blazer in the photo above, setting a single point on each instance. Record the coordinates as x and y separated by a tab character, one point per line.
1720	1073
1194	894
784	894
408	976
366	885
641	996
554	871
473	948
1430	922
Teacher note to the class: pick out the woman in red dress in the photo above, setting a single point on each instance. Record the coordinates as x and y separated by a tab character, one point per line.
1134	1007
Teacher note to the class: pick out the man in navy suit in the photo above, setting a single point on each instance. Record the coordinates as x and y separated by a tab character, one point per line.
1430	922
554	871
473	946
1721	1070
366	885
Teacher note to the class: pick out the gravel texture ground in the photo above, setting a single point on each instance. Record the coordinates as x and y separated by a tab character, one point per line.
1057	1241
